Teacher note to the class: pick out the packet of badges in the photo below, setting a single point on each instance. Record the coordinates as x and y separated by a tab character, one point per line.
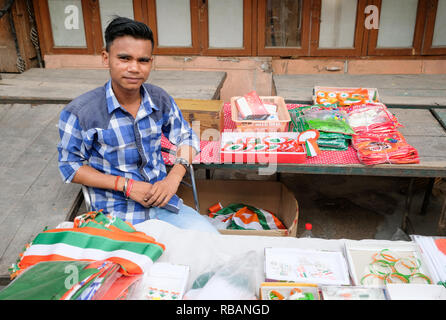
344	96
371	117
328	141
261	147
381	148
327	119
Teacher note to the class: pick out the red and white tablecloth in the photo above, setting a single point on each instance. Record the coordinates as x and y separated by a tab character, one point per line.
210	150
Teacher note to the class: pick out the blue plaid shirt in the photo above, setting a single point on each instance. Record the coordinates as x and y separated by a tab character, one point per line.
94	128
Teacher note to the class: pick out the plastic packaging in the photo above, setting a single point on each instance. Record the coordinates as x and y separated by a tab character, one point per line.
328	120
63	280
308	233
373	117
233	280
384	148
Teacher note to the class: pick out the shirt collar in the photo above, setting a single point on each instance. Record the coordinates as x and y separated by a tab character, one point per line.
113	104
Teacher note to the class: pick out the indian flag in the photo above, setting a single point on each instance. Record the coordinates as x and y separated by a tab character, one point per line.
246	217
96	238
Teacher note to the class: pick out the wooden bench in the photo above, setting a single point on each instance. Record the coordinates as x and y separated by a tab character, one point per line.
415	91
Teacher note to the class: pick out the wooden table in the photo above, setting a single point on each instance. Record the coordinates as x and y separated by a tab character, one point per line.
32	193
421	130
424	129
419	91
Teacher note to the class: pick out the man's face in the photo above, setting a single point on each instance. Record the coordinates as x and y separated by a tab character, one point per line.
129	61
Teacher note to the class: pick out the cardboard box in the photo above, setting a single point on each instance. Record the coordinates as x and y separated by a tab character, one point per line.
269	195
207	112
229	156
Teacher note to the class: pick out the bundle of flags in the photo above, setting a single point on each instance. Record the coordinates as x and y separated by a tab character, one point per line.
238	216
106	254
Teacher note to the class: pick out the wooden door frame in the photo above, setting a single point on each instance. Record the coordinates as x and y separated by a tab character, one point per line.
92	26
431	16
360	31
138	15
150	11
247	32
415	50
43	23
303	50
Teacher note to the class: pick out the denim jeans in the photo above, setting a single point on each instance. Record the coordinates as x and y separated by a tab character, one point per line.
186	218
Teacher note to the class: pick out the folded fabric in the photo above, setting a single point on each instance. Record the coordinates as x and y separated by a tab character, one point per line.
93	237
62	280
246	217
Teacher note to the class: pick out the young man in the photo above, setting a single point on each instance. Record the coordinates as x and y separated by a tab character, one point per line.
116	129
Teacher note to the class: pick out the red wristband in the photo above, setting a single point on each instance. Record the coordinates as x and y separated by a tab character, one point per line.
129	188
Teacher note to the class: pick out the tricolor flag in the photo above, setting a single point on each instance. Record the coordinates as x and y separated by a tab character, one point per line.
246	217
93	237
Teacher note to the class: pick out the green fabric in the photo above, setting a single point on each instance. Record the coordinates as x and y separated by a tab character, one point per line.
88	241
234	207
339	144
101	221
45	280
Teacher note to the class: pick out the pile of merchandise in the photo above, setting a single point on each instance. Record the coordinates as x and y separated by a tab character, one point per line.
357	270
377	139
331	122
105	255
356	117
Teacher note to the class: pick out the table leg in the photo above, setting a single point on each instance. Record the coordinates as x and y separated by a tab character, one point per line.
208	174
409	197
442	220
427	196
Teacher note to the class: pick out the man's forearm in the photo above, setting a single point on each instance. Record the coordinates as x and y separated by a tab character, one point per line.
91	177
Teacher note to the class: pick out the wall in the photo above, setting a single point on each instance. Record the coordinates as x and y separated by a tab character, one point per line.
359	66
243	74
255	73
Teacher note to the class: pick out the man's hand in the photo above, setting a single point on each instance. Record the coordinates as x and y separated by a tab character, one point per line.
141	191
162	191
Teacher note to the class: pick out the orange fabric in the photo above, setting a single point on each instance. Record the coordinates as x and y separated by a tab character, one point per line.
117	234
246	215
441	245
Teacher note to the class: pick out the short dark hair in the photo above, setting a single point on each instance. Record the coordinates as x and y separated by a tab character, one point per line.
121	26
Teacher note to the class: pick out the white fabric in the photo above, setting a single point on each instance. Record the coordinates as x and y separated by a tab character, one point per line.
202	251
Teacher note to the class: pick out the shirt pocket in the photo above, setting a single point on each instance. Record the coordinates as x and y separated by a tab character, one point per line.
150	132
118	147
